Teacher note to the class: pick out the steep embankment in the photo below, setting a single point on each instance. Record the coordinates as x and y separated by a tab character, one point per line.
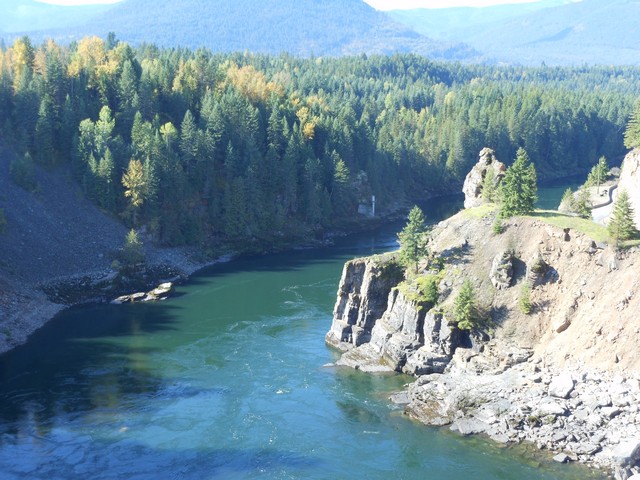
563	376
54	235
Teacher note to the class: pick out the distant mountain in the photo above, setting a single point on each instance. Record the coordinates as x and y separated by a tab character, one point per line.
303	27
460	22
556	32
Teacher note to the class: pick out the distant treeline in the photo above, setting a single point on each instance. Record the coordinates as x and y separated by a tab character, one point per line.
201	147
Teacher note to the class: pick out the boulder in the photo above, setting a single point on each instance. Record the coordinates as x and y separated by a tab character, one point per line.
561	386
561	458
468	426
474	181
537	270
501	274
162	291
627	452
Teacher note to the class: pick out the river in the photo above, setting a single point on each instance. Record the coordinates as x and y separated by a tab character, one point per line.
227	380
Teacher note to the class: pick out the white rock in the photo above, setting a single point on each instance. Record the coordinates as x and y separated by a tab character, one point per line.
626	452
561	386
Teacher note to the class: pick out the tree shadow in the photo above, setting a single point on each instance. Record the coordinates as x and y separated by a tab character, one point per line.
67	362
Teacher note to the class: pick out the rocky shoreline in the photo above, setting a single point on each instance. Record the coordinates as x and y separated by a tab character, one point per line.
576	415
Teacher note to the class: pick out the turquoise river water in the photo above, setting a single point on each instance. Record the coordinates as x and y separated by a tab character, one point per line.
226	380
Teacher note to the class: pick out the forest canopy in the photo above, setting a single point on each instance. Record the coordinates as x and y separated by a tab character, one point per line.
199	146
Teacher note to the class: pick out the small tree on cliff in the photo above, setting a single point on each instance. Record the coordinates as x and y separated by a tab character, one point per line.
621	224
465	311
412	238
518	190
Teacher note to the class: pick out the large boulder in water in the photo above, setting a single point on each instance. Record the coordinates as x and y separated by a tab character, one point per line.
474	181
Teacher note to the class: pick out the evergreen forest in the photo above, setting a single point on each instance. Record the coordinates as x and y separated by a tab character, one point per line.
203	148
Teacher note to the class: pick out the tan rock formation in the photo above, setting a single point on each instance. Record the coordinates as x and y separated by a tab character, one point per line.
630	180
474	181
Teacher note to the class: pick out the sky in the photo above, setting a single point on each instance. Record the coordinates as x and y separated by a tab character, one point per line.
78	2
378	4
407	4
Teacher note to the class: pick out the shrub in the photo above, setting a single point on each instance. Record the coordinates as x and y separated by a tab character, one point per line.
132	251
498	227
524	302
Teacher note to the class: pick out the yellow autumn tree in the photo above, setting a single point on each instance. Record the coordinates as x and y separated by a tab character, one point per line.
135	185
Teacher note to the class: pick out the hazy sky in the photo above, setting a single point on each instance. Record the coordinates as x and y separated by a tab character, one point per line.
406	4
77	2
379	4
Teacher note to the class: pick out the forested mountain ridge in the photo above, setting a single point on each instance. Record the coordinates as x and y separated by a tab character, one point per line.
561	33
300	27
245	149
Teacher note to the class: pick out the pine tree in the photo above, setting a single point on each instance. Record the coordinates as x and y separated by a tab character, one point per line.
632	132
598	174
465	311
518	190
622	222
582	203
105	175
412	238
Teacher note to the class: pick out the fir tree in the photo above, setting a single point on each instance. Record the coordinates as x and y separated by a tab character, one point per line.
412	238
518	190
132	250
465	311
621	224
632	132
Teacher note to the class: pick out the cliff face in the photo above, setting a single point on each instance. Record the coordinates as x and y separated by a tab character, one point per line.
388	330
630	180
362	299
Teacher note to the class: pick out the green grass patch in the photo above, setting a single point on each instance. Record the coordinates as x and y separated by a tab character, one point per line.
422	290
592	230
480	212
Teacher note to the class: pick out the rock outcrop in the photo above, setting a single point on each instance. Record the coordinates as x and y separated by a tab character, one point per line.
501	273
362	299
630	181
473	183
399	334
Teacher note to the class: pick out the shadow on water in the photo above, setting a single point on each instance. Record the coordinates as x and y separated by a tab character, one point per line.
77	364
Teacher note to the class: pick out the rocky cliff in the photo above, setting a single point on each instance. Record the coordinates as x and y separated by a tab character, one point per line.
564	376
630	180
475	179
381	328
